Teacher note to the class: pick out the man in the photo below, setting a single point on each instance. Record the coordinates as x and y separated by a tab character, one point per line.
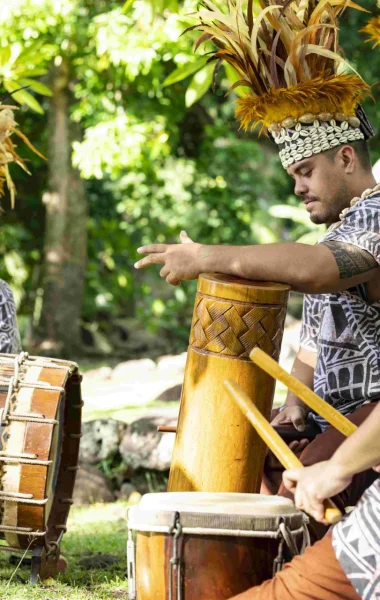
345	565
325	151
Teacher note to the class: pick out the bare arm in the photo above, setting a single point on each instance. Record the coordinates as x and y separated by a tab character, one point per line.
361	450
323	268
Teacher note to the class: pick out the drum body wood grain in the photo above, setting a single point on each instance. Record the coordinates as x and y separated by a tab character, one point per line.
216	449
40	404
227	544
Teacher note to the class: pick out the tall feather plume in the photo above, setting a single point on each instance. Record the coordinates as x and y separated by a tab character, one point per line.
286	52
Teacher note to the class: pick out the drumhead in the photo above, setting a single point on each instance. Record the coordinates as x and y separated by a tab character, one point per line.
218	503
216	512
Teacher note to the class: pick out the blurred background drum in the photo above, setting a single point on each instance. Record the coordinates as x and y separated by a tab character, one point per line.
40	425
207	545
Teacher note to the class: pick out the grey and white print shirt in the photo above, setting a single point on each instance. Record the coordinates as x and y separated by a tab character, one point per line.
9	333
343	328
356	542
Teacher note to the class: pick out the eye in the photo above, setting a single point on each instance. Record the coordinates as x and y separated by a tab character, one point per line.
307	173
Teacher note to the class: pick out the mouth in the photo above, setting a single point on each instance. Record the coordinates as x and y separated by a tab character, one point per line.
309	204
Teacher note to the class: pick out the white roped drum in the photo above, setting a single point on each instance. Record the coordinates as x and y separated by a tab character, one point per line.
192	545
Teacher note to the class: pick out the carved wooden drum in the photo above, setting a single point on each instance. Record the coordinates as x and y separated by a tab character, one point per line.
206	545
216	449
40	413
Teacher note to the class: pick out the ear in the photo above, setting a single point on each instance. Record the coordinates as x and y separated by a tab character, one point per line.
348	158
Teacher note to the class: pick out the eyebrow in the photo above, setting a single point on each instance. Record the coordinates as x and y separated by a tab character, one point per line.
303	165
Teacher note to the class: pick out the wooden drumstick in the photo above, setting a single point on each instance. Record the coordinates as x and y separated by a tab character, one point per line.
268	434
332	416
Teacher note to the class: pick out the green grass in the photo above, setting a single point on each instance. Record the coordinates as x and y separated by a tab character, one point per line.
91	530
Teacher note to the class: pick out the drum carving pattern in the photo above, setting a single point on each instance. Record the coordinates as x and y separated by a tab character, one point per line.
234	329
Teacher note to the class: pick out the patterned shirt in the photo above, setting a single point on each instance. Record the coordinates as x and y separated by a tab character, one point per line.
356	542
9	334
344	327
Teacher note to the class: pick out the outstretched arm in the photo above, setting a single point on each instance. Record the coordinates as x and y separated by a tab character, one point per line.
323	268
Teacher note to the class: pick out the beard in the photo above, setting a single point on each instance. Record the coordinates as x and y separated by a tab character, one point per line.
327	210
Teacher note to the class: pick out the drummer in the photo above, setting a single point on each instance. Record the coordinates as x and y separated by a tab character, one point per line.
345	565
325	151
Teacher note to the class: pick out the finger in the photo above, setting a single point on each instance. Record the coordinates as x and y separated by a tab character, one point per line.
280	419
294	446
152	259
164	272
298	423
298	499
294	474
185	238
152	249
317	511
288	482
171	280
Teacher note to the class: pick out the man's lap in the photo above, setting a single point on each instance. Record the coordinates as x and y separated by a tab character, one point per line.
316	575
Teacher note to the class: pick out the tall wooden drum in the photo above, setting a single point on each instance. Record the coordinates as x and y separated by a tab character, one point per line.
216	448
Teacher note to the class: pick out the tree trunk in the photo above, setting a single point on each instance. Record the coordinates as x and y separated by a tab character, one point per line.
65	244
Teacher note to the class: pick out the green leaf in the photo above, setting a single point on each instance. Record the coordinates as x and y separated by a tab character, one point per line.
312	237
37	86
199	85
5	55
185	71
127	6
22	96
293	213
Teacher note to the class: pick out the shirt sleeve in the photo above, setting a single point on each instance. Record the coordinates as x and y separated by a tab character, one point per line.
311	322
9	333
360	227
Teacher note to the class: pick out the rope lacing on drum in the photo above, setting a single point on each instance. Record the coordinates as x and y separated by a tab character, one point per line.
175	562
14	384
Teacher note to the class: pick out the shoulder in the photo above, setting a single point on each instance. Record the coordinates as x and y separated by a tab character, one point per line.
6	294
367	208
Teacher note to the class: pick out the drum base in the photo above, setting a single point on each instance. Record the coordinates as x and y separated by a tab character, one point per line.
43	565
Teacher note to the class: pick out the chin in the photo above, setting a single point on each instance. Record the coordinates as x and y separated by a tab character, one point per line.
317	219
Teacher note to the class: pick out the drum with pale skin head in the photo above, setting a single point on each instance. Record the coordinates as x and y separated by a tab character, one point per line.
187	546
40	429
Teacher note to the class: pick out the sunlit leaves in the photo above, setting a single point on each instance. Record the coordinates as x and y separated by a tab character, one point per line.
199	85
184	71
117	144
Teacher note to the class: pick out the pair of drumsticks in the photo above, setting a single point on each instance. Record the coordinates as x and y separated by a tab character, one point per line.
268	434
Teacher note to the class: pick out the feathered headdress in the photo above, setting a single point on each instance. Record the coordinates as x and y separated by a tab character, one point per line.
8	154
287	54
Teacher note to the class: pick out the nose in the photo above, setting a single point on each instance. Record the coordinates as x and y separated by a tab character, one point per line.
300	188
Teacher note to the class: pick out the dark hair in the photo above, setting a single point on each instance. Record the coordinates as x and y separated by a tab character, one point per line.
361	150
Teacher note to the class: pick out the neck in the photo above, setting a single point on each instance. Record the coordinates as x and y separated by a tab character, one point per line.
365	182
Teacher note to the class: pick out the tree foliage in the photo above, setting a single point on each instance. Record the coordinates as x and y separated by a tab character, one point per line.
160	151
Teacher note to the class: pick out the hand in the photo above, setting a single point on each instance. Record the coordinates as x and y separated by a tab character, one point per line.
312	485
181	261
291	414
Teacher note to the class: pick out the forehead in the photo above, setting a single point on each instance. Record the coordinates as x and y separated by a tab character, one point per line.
299	166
